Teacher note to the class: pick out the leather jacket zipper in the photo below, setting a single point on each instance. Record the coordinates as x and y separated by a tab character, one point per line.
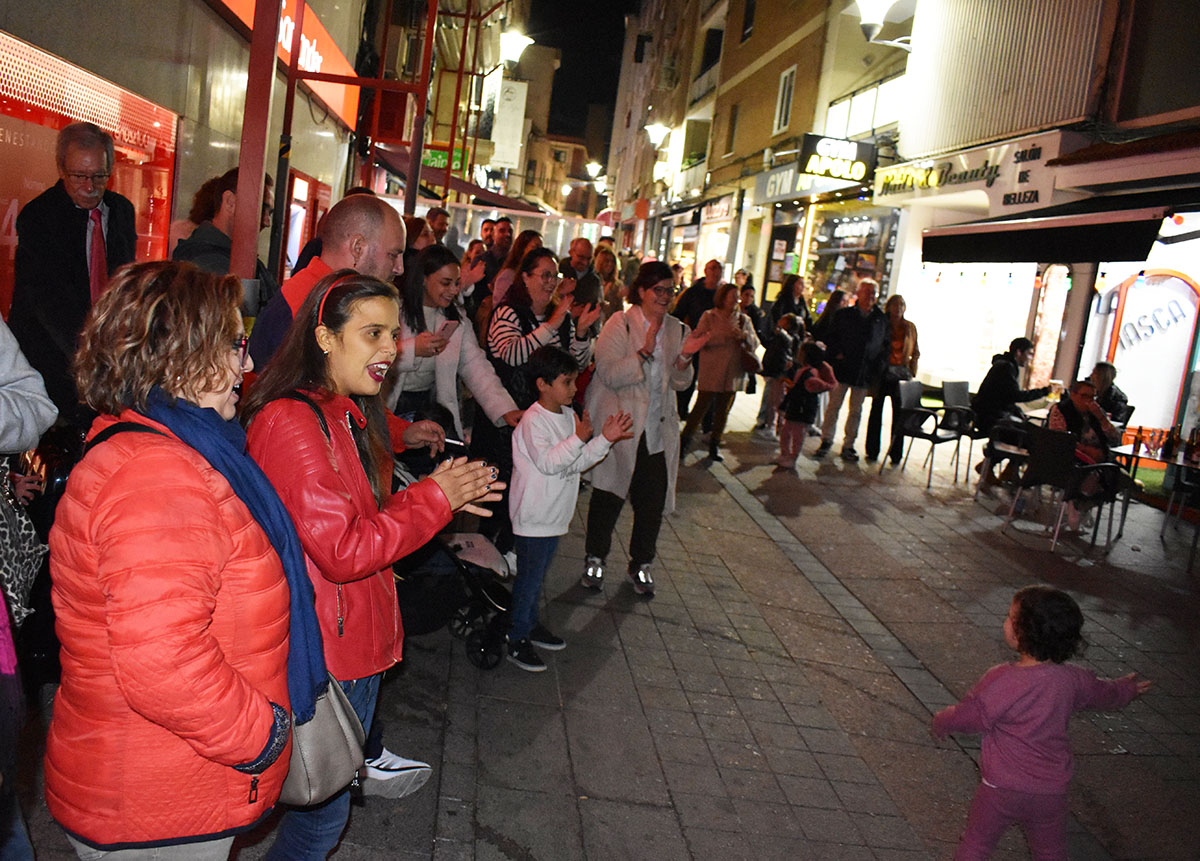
253	791
340	612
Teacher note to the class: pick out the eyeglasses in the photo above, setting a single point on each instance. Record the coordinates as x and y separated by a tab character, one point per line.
241	346
94	178
546	276
664	292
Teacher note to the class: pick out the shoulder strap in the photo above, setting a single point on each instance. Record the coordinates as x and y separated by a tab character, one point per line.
312	405
114	429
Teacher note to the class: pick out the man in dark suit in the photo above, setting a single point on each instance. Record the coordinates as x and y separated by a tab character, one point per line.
70	239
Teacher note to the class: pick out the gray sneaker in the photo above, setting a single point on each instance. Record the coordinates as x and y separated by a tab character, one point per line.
643	583
593	574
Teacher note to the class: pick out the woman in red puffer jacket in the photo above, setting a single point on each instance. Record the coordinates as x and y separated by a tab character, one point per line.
171	725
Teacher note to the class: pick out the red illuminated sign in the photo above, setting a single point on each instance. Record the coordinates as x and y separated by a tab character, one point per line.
39	94
318	53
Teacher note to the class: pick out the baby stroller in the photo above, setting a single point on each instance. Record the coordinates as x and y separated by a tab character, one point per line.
455	580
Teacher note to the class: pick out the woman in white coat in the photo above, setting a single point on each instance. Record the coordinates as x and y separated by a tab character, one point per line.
436	349
643	356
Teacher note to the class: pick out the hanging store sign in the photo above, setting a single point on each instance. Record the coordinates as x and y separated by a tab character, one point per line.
434	155
318	53
508	128
834	158
1013	174
789	182
717	210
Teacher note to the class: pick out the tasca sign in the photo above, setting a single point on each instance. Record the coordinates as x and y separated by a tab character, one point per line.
835	158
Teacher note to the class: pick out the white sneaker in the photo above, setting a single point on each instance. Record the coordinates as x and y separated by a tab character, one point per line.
391	776
510	559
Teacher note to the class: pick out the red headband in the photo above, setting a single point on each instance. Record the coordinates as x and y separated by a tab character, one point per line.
321	307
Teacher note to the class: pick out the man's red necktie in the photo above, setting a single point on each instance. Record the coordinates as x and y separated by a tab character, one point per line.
98	262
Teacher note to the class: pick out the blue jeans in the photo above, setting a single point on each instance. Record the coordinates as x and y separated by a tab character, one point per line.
310	833
533	558
14	839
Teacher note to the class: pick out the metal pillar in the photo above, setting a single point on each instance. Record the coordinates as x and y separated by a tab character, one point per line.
252	156
283	189
462	60
418	138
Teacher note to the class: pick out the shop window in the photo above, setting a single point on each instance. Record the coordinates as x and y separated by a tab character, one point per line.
731	130
783	101
748	20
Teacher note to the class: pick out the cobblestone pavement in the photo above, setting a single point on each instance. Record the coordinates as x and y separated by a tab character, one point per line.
773	699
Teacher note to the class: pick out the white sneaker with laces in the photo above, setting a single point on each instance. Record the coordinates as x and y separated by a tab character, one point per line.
392	776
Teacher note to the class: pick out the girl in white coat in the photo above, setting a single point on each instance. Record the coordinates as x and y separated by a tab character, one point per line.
643	356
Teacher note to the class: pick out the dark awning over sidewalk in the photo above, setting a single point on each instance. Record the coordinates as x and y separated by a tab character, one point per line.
1116	227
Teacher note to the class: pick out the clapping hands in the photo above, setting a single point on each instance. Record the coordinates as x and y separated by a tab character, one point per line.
618	426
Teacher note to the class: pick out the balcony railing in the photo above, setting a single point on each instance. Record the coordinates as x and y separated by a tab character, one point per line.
704	84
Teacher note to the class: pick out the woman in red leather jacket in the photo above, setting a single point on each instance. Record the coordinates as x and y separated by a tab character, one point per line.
334	477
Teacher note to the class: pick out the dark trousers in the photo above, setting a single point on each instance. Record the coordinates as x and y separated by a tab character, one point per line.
889	389
494	445
716	403
647	495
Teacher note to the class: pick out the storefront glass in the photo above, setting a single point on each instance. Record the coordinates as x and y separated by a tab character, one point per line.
1144	320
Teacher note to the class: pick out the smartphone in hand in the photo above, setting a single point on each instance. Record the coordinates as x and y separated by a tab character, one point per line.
447	329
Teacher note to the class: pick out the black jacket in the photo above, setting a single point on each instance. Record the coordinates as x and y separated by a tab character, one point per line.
858	345
51	291
1001	391
211	250
694	302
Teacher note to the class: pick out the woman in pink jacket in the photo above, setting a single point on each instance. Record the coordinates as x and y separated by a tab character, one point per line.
319	428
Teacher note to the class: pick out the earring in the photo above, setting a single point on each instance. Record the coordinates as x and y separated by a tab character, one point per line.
325	352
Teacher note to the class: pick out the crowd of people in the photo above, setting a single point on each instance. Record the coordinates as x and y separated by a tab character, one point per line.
216	565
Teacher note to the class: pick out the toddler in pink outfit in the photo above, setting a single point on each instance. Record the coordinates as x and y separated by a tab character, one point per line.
1022	709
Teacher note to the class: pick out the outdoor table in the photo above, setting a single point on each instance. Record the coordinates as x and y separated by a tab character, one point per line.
1132	460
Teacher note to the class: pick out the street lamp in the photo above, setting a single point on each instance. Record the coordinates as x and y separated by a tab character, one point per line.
512	45
871	15
593	168
658	133
566	189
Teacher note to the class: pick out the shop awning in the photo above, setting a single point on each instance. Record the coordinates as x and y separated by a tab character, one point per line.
1108	228
395	159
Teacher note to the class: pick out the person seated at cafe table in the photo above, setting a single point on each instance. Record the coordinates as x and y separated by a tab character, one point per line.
1112	400
998	396
1083	418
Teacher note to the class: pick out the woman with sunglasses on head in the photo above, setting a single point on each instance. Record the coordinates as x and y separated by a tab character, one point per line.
643	356
319	428
172	563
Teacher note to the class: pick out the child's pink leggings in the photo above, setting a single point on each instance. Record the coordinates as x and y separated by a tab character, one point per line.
791	440
1042	817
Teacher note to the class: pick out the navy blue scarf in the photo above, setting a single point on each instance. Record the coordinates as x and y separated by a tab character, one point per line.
223	444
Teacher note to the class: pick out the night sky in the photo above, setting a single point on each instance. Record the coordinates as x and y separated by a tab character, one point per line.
590	36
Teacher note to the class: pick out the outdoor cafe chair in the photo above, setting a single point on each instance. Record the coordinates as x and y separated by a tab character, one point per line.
1186	490
917	422
1007	440
1052	463
958	415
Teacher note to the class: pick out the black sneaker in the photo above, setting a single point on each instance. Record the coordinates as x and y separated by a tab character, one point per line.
522	654
643	583
849	455
822	449
542	638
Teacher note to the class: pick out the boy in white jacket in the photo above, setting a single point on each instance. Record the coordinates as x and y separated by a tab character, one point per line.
550	448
